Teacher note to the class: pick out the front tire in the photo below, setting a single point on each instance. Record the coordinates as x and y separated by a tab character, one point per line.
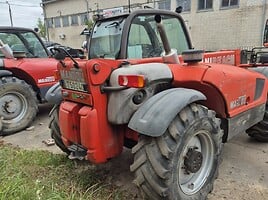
182	163
55	129
260	131
18	105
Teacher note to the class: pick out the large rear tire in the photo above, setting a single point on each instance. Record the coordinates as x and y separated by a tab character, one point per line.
18	105
55	129
260	131
182	163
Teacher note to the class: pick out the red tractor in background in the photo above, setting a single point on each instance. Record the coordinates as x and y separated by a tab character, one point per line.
145	88
27	71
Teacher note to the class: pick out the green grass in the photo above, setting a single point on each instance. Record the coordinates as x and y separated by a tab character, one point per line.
40	175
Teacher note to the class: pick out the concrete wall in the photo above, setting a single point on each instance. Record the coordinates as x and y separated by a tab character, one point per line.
218	28
72	33
213	29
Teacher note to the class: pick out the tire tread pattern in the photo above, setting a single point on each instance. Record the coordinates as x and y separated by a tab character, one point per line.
260	131
55	130
154	156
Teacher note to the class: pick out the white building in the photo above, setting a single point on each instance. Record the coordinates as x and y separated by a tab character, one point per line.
212	24
226	24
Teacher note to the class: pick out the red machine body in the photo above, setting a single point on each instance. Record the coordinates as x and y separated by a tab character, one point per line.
40	72
145	88
87	124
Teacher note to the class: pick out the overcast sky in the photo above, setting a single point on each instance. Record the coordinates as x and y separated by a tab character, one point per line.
25	13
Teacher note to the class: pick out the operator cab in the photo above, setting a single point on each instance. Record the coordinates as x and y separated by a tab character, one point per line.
23	43
135	35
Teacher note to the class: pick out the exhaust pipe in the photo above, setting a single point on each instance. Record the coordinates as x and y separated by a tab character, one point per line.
169	55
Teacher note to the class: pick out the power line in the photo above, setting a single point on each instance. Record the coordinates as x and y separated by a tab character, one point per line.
9	9
15	4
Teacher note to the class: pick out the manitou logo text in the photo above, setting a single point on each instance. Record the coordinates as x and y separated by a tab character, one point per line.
238	102
46	80
222	59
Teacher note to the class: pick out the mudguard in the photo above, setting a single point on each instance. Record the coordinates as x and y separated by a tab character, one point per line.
155	115
121	105
5	73
53	95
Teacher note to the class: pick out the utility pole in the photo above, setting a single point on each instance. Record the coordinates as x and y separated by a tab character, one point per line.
42	5
10	14
87	9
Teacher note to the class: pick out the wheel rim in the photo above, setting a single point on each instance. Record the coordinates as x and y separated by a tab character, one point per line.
13	107
197	153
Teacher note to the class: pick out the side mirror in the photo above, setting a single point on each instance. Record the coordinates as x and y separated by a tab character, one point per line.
60	56
58	53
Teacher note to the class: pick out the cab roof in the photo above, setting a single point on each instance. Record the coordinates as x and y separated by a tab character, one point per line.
9	28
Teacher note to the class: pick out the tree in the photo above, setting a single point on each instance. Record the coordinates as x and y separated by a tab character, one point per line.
89	24
41	28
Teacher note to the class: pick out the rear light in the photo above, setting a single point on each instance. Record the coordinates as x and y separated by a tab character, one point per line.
136	81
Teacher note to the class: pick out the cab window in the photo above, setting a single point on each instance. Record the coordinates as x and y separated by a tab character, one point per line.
144	40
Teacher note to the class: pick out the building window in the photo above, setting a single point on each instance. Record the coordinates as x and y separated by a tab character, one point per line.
164	4
74	20
57	22
49	22
84	18
204	4
229	3
65	21
185	4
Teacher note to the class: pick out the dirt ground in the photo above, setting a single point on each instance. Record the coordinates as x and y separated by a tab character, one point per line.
243	172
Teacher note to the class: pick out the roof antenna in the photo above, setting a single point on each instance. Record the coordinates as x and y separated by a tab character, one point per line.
129	6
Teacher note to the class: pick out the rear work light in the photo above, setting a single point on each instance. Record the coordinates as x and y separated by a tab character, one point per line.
136	81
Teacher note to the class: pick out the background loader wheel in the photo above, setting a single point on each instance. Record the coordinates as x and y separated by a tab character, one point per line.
182	163
55	129
260	130
18	105
1	125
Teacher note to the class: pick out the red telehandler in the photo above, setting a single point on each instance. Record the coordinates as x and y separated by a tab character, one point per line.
145	88
26	74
